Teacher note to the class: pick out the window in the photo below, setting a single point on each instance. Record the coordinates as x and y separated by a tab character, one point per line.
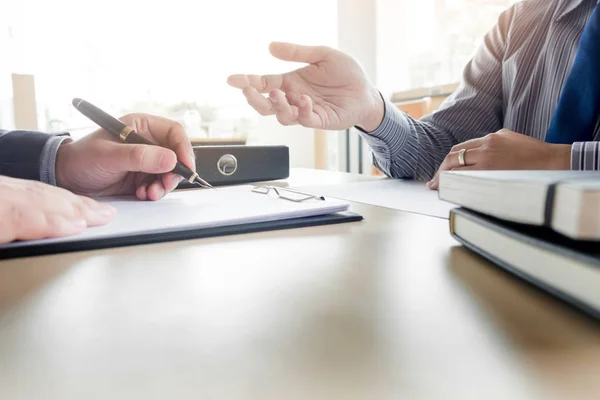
172	57
427	43
165	57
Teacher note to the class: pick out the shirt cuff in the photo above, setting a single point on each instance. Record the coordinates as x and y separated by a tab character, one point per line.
387	141
585	156
48	159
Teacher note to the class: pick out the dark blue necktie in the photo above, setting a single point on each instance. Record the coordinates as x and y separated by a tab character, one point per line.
578	107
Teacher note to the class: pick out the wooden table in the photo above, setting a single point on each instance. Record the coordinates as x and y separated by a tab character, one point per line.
387	308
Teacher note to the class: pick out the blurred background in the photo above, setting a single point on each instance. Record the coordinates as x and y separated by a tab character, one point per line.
172	58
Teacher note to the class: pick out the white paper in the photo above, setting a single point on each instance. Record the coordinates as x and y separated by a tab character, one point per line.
404	195
196	209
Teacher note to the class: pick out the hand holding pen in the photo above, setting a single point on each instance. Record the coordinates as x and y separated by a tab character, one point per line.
101	164
128	135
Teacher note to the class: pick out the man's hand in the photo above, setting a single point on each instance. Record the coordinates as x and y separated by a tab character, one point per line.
33	210
331	93
505	150
99	165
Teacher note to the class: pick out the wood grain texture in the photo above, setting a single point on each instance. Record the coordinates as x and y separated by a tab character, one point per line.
387	308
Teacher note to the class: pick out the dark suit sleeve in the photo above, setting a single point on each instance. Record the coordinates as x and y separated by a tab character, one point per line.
29	154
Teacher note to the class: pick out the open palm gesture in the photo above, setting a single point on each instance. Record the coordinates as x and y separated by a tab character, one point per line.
330	93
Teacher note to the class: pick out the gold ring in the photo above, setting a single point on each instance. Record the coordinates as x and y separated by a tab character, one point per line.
461	157
125	132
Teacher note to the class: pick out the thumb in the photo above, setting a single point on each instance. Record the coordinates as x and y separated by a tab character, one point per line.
144	158
298	53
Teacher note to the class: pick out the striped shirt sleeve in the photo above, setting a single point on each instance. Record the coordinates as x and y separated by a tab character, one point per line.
404	147
585	156
388	140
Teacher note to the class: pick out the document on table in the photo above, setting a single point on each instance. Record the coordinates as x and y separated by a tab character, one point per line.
404	195
195	209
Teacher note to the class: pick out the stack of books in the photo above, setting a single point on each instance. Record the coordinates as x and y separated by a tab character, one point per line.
543	226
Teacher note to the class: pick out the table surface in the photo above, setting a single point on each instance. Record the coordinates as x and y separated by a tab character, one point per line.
387	308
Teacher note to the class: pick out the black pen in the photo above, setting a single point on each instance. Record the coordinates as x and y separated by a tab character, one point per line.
129	135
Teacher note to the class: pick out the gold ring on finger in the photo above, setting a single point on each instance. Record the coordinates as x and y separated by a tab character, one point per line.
461	157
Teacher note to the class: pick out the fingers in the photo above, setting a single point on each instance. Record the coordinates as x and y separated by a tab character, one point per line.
143	158
155	160
279	105
32	210
257	101
452	161
154	188
156	191
286	52
306	115
170	181
286	113
262	83
238	81
93	212
165	184
434	184
297	53
168	133
467	168
471	157
35	224
469	144
54	200
142	187
142	192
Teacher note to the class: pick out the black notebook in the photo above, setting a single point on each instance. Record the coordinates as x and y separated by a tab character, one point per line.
565	268
195	214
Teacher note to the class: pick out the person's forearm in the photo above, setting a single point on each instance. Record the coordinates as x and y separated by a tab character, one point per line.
29	154
585	156
406	148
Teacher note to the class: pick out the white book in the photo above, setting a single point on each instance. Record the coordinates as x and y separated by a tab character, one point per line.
565	201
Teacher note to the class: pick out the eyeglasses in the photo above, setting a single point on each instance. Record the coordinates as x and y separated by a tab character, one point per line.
287	194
